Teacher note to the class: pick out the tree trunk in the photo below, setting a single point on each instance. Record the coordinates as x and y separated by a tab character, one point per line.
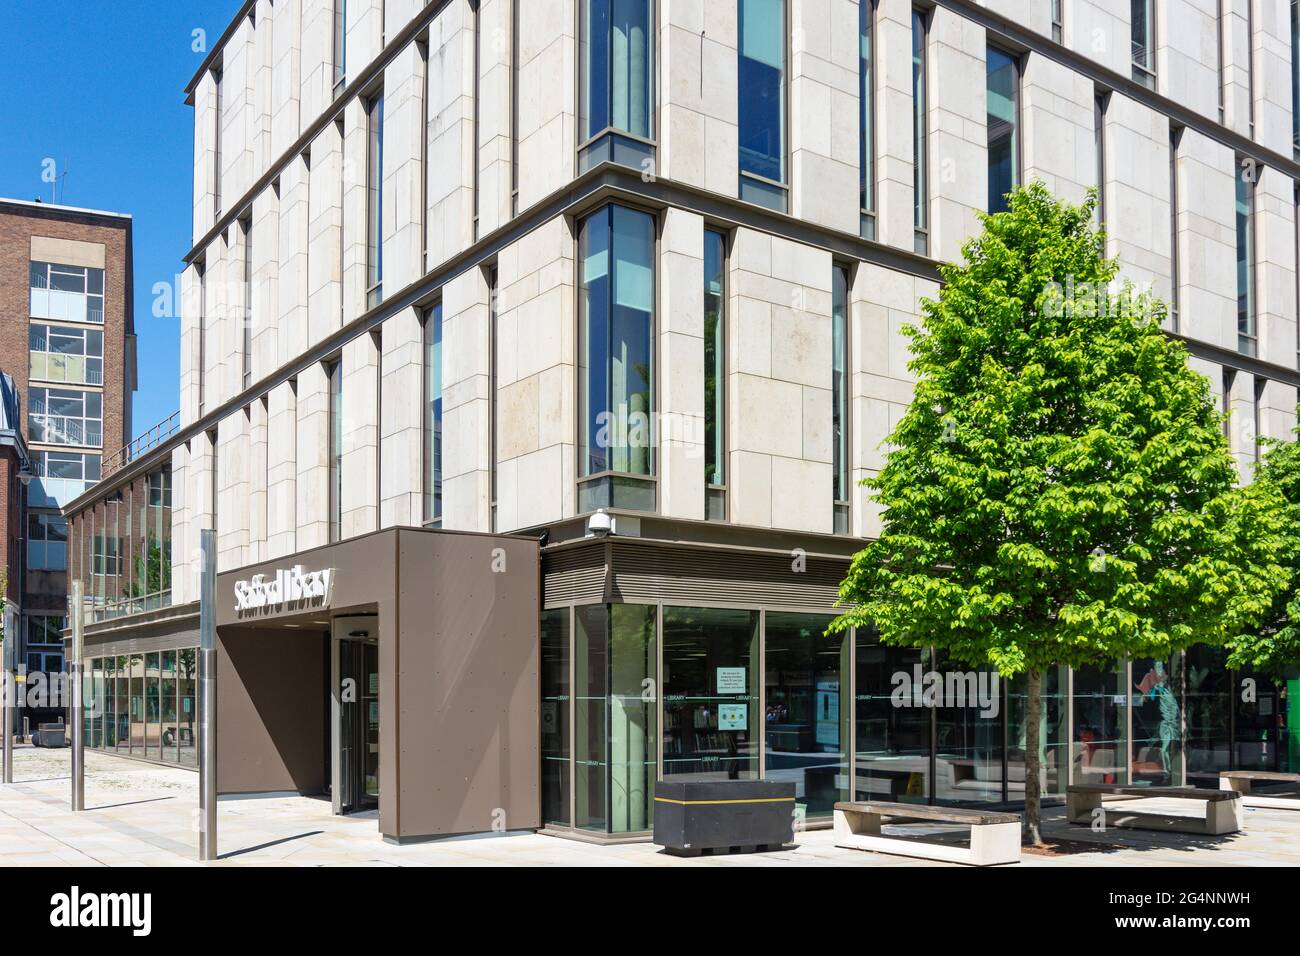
1033	751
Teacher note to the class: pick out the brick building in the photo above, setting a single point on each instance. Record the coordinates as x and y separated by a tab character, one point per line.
67	340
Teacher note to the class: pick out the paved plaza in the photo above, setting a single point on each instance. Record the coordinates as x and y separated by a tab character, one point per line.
145	815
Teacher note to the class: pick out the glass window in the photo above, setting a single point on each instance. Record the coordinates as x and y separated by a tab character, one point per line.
615	719
108	739
866	117
47	542
1156	699
710	683
1261	729
217	120
152	706
335	374
1003	122
66	354
616	249
138	719
187	683
1209	715
1143	24
121	706
893	728
340	42
167	706
1053	733
66	293
840	398
715	375
1100	726
806	729
762	108
60	416
920	136
1246	340
433	414
968	735
555	716
1295	72
375	201
1058	21
617	82
246	344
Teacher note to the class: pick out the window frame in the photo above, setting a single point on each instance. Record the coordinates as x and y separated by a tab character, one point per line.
1016	61
374	109
610	144
714	491
867	131
920	131
762	187
1144	73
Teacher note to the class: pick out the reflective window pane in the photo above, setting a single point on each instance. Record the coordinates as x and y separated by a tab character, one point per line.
710	682
1003	95
893	723
1100	751
555	716
762	88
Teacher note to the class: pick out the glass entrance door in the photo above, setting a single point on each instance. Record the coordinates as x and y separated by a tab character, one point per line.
356	749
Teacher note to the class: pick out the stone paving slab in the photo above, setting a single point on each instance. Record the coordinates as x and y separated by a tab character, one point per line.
145	815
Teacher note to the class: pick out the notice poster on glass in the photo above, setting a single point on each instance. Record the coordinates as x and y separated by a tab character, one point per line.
731	680
828	712
733	717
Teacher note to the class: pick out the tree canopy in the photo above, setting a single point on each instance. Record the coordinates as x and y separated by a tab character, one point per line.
1060	490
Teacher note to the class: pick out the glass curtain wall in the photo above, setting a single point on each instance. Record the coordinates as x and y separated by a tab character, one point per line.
616	249
615	716
1100	737
710	683
762	105
616	83
892	723
807	731
1053	733
1155	699
143	705
555	716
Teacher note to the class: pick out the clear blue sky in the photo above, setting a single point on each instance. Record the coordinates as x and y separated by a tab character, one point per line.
97	86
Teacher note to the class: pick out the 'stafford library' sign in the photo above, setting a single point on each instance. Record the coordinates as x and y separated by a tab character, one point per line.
287	586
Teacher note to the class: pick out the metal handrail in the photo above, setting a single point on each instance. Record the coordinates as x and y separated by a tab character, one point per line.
151	439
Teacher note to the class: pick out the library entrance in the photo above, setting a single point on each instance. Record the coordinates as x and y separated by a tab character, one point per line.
354	783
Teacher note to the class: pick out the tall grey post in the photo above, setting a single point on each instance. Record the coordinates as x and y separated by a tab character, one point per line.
208	694
77	712
10	693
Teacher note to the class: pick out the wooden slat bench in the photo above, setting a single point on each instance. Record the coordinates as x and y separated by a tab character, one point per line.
1241	781
1222	808
994	837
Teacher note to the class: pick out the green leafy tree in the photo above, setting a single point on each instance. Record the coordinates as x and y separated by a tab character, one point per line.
1060	490
1274	646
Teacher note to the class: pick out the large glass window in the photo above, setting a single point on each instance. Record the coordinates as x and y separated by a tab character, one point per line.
1100	744
1053	733
1058	21
375	200
152	707
711	681
616	716
840	397
555	716
138	719
1155	699
806	728
715	375
1261	730
340	43
64	416
187	684
246	336
968	735
1209	715
1003	123
616	101
893	725
867	117
920	136
1246	339
167	705
762	79
1143	25
433	414
67	293
66	354
335	375
47	542
121	705
616	249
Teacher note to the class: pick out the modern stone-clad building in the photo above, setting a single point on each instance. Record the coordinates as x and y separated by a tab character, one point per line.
625	282
67	340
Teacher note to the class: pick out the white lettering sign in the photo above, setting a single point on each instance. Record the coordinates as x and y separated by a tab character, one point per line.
288	586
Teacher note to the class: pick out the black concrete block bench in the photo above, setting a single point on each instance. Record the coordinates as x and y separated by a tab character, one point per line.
723	815
1085	806
994	837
